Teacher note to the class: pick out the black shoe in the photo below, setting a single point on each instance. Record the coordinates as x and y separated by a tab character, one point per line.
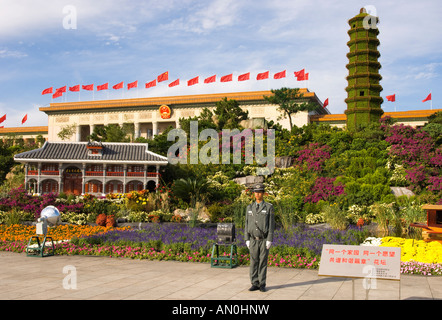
253	288
262	288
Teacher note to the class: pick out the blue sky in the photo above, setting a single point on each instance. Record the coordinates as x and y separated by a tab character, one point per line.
121	40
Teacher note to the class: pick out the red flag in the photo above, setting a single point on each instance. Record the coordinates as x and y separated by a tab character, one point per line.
193	81
163	77
279	75
300	74
151	84
88	87
132	85
210	79
57	94
75	88
325	103
103	87
244	77
24	119
62	89
427	98
262	76
174	83
3	118
226	78
118	86
391	98
306	76
46	91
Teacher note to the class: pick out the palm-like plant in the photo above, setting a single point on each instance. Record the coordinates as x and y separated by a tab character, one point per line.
191	189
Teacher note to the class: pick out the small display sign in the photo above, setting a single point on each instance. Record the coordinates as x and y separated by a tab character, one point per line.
360	261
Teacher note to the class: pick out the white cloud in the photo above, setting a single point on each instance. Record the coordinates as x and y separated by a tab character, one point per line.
208	17
5	53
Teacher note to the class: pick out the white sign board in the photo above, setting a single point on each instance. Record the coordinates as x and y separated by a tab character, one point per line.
360	261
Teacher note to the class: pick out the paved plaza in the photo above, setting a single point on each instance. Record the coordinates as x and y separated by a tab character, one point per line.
104	278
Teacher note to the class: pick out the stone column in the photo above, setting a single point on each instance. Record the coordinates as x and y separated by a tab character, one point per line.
154	128
78	133
157	167
103	191
39	179
124	177
26	176
145	177
60	177
83	178
136	130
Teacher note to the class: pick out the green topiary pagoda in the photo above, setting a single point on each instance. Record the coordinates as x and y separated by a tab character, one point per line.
364	100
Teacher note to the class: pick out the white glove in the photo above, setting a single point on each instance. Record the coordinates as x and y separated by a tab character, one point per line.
268	245
248	244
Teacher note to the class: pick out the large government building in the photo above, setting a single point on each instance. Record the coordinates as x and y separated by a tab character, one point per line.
78	166
152	116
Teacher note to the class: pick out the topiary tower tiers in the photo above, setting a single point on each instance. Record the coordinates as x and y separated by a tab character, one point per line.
363	100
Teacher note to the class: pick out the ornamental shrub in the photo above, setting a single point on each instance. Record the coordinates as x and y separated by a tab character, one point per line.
101	219
324	189
110	221
313	156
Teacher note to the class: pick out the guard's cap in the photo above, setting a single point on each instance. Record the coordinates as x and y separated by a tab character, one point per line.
259	187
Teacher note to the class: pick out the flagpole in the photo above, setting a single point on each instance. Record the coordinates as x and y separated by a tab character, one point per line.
431	104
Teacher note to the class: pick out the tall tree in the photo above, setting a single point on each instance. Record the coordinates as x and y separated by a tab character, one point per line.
113	133
229	114
290	102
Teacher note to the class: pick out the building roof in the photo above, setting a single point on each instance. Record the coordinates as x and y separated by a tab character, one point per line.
24	130
252	96
411	114
112	152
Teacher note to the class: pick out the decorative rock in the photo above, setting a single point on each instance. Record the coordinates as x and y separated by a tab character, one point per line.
249	180
283	162
401	191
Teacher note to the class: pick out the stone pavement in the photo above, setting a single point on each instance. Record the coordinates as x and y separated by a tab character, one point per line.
104	278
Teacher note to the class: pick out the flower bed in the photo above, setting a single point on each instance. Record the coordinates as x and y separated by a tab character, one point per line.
299	247
15	237
417	256
416	250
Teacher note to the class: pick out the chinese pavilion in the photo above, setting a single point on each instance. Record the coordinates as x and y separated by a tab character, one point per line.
91	167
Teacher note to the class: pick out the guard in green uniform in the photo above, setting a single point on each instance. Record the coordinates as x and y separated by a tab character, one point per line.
258	234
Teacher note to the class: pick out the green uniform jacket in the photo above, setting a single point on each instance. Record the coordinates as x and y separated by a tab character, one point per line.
259	224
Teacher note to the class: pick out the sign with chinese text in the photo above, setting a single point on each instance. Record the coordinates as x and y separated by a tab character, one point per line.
360	261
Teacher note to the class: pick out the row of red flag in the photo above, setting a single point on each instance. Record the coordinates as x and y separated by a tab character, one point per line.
392	98
25	118
300	76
